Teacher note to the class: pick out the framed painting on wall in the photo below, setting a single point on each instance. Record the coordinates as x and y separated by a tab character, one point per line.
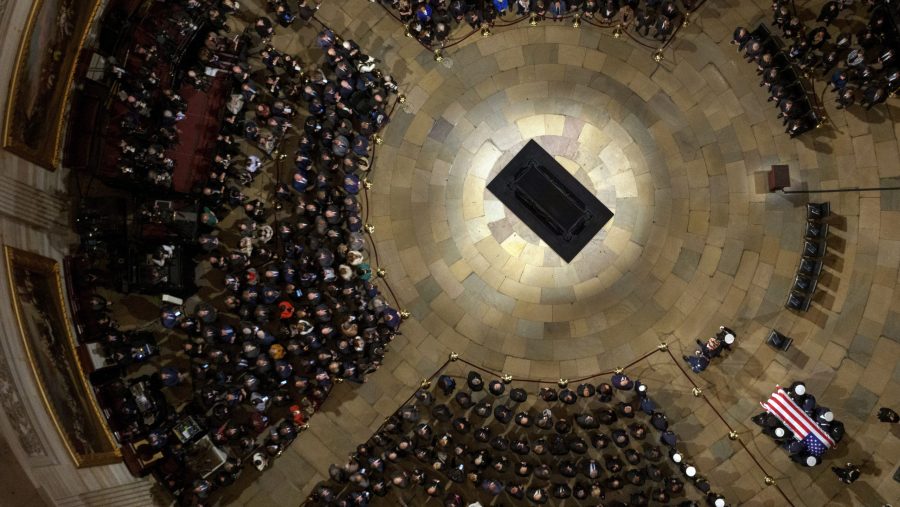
39	303
42	78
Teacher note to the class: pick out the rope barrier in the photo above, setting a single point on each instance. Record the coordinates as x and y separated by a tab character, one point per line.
453	357
730	429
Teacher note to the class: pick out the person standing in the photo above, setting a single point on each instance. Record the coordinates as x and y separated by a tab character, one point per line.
886	415
848	474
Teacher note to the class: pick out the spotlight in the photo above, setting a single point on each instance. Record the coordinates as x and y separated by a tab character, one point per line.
438	56
576	22
370	228
696	392
617	32
454	356
485	31
534	20
658	55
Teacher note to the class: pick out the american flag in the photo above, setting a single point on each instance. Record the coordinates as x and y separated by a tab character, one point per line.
814	445
804	428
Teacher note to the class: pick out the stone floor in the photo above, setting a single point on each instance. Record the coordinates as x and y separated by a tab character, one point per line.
678	151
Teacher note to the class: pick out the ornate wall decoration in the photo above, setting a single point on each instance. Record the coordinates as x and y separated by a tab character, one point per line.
42	78
17	414
38	300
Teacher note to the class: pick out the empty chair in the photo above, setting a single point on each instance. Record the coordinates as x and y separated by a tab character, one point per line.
810	267
818	211
779	341
814	249
816	231
804	284
798	302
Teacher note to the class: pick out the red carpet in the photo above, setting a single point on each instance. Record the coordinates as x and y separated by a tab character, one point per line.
194	153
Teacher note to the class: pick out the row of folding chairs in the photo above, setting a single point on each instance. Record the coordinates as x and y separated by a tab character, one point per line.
815	246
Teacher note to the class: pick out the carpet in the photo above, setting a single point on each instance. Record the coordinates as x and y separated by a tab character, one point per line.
550	201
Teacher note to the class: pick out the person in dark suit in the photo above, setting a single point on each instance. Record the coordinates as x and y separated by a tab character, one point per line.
847	474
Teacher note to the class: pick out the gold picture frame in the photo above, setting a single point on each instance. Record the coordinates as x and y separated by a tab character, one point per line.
42	77
36	290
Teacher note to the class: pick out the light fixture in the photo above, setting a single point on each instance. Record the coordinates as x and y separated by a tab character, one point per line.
617	32
662	347
404	314
769	480
485	31
696	392
378	139
380	273
576	22
454	356
401	99
425	384
658	55
562	383
732	435
367	184
407	32
507	378
370	228
534	20
438	55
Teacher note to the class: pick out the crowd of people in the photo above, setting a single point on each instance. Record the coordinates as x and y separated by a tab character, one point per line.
866	71
432	21
150	115
298	308
861	66
489	438
780	77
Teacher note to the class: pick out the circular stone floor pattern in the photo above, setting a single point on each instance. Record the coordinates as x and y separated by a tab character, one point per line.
480	276
678	152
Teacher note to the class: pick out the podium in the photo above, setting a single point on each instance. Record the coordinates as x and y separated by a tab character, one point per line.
779	177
